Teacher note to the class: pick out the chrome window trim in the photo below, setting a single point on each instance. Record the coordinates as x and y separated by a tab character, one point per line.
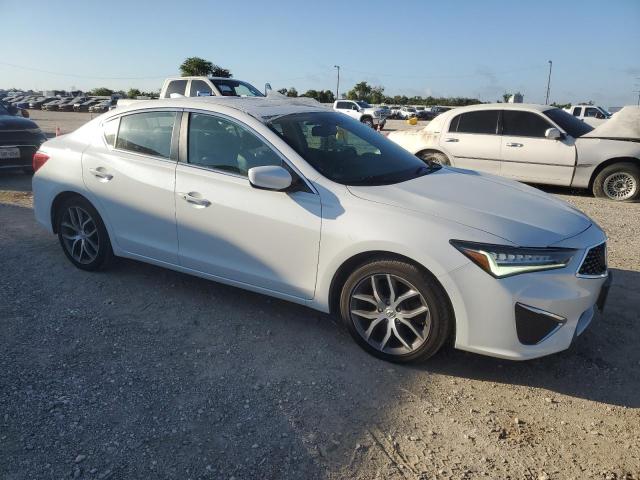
241	124
134	112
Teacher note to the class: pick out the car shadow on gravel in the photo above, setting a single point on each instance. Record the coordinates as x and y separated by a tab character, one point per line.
15	181
601	365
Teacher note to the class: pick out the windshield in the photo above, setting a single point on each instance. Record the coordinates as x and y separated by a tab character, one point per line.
347	151
236	88
363	104
570	124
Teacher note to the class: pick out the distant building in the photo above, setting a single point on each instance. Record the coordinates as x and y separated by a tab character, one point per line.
516	98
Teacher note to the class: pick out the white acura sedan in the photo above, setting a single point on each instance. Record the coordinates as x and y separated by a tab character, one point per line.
287	198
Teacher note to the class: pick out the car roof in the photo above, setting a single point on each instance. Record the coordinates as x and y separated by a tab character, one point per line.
262	108
504	106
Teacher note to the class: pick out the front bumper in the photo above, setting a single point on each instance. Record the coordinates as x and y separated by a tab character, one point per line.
489	320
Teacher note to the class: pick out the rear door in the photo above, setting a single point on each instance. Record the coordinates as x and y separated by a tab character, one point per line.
131	173
529	156
472	141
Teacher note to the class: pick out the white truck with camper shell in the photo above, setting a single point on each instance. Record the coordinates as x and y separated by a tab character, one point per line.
535	144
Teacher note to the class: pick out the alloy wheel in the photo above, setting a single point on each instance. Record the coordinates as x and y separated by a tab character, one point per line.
390	314
620	186
80	235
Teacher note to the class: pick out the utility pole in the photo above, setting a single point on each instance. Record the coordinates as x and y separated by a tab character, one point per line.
548	83
338	84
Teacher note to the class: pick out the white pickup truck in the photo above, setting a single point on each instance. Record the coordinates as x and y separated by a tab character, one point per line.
590	114
362	111
535	144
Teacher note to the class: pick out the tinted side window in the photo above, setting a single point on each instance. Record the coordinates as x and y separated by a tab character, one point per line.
453	126
217	143
523	124
346	105
483	121
147	133
198	86
176	86
591	112
110	131
576	111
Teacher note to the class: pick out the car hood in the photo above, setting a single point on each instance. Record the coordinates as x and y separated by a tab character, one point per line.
11	122
515	212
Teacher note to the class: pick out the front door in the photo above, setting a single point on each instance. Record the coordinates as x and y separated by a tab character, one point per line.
472	141
131	173
229	229
528	156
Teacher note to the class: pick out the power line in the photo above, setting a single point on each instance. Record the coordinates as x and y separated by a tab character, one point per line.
81	76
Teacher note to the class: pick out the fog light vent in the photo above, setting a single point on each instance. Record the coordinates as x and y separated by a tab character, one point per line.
535	325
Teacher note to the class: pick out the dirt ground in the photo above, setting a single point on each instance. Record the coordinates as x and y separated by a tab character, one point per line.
140	372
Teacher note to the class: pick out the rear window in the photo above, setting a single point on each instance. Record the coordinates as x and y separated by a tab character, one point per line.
176	86
236	88
110	131
199	88
482	121
147	133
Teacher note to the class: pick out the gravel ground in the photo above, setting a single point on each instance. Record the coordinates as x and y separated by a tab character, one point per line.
140	372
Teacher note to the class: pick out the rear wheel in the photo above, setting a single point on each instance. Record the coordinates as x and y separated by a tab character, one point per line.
82	234
620	182
395	311
434	157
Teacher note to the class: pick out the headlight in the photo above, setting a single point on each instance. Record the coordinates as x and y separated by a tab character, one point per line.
503	261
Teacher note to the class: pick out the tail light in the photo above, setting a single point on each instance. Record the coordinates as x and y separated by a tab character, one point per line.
39	159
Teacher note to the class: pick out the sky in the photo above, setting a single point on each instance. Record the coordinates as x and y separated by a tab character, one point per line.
479	49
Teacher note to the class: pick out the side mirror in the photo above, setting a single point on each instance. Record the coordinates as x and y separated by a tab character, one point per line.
553	134
267	88
271	177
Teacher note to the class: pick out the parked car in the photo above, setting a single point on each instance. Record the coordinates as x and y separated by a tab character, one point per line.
536	144
84	106
52	106
590	114
69	106
206	86
362	111
104	105
407	112
38	104
306	204
19	140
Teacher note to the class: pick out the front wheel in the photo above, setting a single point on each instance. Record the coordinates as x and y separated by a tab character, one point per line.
620	182
82	234
434	157
395	311
367	121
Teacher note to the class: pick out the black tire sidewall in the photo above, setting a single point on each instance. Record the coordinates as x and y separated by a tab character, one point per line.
436	157
105	252
368	122
441	322
627	167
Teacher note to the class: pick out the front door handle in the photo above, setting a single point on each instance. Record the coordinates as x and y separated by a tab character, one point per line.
513	144
101	174
195	199
451	140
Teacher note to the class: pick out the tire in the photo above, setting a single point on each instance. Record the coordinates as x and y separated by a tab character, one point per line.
434	157
367	121
365	311
82	234
619	182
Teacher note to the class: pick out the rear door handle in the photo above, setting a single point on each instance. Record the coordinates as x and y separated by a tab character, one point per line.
195	199
100	173
451	140
513	144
